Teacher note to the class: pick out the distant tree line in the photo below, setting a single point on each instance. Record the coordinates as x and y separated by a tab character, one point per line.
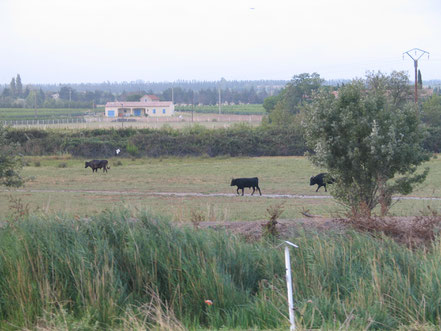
117	88
280	98
15	95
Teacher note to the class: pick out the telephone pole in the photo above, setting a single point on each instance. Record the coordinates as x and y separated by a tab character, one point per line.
418	53
220	102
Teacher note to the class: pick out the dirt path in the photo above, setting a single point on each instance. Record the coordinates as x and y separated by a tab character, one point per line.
194	194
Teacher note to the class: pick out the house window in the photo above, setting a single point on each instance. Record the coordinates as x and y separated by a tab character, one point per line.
154	111
163	111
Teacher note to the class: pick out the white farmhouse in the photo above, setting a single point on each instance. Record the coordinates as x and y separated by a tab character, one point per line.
149	105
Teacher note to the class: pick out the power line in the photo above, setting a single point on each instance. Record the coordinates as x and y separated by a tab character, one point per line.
418	53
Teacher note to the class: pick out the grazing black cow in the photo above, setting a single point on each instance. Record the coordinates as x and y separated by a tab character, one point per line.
98	164
321	180
241	183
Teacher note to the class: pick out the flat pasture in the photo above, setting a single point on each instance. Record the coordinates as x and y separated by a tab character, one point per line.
182	187
243	109
80	121
18	114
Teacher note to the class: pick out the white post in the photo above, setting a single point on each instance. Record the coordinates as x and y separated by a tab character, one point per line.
289	285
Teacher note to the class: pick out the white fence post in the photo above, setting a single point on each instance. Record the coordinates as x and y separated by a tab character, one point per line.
289	285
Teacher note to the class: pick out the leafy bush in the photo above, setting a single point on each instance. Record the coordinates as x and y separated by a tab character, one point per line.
238	140
369	143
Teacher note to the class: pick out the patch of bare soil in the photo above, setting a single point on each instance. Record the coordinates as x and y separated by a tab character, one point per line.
284	227
412	231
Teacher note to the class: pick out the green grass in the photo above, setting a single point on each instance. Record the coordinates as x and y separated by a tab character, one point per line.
65	189
14	114
246	109
124	271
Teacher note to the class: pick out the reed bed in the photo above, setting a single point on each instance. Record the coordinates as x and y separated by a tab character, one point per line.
119	271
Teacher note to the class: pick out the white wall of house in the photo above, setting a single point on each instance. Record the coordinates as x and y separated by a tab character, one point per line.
139	109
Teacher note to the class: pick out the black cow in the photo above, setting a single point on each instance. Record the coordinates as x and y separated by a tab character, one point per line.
98	164
321	180
241	183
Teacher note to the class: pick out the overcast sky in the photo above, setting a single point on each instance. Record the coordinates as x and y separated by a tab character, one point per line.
73	41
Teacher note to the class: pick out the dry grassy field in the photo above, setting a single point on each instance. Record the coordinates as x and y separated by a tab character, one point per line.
180	187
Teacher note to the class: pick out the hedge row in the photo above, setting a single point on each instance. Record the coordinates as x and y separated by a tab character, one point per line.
239	140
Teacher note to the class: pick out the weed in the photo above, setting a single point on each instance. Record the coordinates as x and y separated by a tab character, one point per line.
18	208
274	212
412	231
196	218
117	163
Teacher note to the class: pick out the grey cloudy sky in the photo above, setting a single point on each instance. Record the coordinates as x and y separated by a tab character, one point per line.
73	41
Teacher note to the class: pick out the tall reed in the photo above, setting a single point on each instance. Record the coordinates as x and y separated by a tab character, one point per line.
120	271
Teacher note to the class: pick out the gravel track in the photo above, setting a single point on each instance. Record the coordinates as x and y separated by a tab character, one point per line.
193	194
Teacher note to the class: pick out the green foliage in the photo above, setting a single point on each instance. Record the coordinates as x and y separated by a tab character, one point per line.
431	111
134	97
117	269
238	140
298	92
420	80
396	84
10	161
98	268
18	86
242	109
14	114
132	149
368	143
270	103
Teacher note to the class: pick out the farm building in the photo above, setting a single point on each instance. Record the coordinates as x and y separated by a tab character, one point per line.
148	106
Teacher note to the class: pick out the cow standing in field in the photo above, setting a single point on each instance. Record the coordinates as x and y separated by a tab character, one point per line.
321	180
97	164
241	183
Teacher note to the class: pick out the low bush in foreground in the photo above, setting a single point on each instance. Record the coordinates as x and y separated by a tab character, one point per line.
116	271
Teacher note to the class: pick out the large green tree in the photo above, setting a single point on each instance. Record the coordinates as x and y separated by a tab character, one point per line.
368	142
10	162
298	92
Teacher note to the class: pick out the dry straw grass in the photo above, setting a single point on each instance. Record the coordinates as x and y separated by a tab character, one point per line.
411	231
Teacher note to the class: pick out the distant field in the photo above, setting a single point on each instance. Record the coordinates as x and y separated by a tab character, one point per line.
178	121
62	184
23	114
14	114
245	109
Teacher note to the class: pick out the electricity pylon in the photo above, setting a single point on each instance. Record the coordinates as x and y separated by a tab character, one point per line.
418	53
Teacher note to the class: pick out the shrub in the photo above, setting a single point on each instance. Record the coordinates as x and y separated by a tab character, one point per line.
371	144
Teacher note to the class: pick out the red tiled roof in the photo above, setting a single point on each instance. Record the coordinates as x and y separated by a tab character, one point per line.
153	97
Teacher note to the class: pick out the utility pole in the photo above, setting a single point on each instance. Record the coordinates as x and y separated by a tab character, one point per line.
192	108
70	96
35	104
220	106
173	97
418	53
